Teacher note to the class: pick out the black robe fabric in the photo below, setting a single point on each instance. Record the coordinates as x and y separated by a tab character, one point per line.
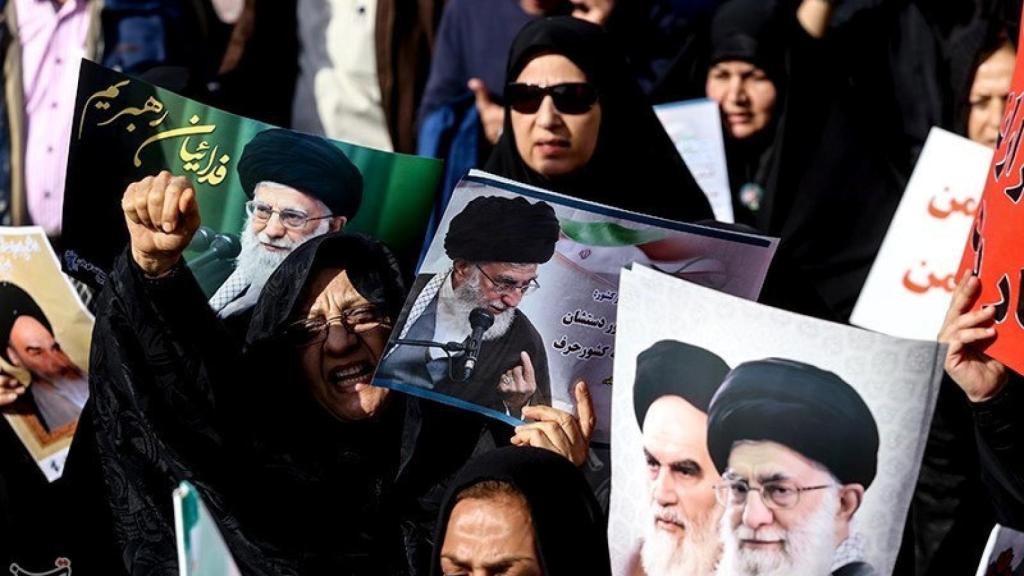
635	165
173	397
562	508
1000	437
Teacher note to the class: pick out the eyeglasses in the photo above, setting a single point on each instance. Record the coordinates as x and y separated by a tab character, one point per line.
775	495
290	218
359	320
569	98
504	287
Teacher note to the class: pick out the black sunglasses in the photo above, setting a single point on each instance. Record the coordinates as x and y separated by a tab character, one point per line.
569	98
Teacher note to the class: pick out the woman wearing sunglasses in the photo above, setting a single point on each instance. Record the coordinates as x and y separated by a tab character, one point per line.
577	123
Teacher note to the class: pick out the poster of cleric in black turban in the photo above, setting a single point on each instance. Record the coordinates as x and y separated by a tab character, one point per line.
752	441
515	300
261	190
45	333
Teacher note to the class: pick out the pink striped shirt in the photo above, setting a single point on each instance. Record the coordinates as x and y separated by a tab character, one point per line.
53	38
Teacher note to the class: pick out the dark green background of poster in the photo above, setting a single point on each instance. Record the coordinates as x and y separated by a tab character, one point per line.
398	189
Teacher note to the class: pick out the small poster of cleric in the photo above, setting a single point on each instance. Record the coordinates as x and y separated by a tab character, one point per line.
914	276
1004	553
695	127
45	333
749	440
993	247
516	298
244	173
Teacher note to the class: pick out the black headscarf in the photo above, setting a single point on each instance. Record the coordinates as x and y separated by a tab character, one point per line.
749	30
810	410
310	164
14	303
635	165
981	39
497	229
562	507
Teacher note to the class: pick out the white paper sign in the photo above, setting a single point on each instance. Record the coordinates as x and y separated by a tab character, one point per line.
898	381
910	285
696	129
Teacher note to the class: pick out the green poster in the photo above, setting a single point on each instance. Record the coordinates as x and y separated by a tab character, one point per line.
126	129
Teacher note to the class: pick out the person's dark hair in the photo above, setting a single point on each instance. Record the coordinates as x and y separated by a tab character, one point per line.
488	489
969	51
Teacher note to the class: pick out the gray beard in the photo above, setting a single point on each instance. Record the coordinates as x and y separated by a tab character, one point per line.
469	296
808	549
696	554
256	263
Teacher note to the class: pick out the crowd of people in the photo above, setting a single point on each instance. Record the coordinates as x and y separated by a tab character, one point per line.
260	396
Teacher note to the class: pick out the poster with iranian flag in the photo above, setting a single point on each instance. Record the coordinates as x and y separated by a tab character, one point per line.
561	308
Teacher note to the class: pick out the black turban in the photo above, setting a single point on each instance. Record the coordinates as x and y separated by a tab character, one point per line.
672	368
804	408
497	229
307	163
15	302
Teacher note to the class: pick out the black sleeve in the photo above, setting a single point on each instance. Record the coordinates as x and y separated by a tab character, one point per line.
999	427
158	361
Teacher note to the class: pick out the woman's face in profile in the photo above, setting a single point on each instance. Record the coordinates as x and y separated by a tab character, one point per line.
552	140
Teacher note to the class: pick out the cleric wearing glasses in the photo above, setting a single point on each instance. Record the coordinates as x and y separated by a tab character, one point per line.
797	448
576	122
300	187
496	245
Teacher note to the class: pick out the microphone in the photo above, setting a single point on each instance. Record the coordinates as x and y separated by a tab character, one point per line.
222	247
202	239
480	319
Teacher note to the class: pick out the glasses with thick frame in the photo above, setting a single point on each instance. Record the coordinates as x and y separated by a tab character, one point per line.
775	495
290	217
568	97
359	321
504	287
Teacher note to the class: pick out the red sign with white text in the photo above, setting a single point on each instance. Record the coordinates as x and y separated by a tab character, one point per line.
995	247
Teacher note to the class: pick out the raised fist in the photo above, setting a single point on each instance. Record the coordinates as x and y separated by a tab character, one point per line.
162	215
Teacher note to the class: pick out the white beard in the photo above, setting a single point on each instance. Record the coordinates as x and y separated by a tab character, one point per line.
256	263
469	296
663	554
808	548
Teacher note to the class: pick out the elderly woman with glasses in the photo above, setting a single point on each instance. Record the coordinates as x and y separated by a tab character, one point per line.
576	122
291	449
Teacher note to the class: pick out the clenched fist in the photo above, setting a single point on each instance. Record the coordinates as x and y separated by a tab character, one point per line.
162	215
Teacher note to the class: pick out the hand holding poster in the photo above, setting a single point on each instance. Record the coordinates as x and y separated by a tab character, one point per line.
732	419
516	298
695	127
915	273
993	249
125	130
45	333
